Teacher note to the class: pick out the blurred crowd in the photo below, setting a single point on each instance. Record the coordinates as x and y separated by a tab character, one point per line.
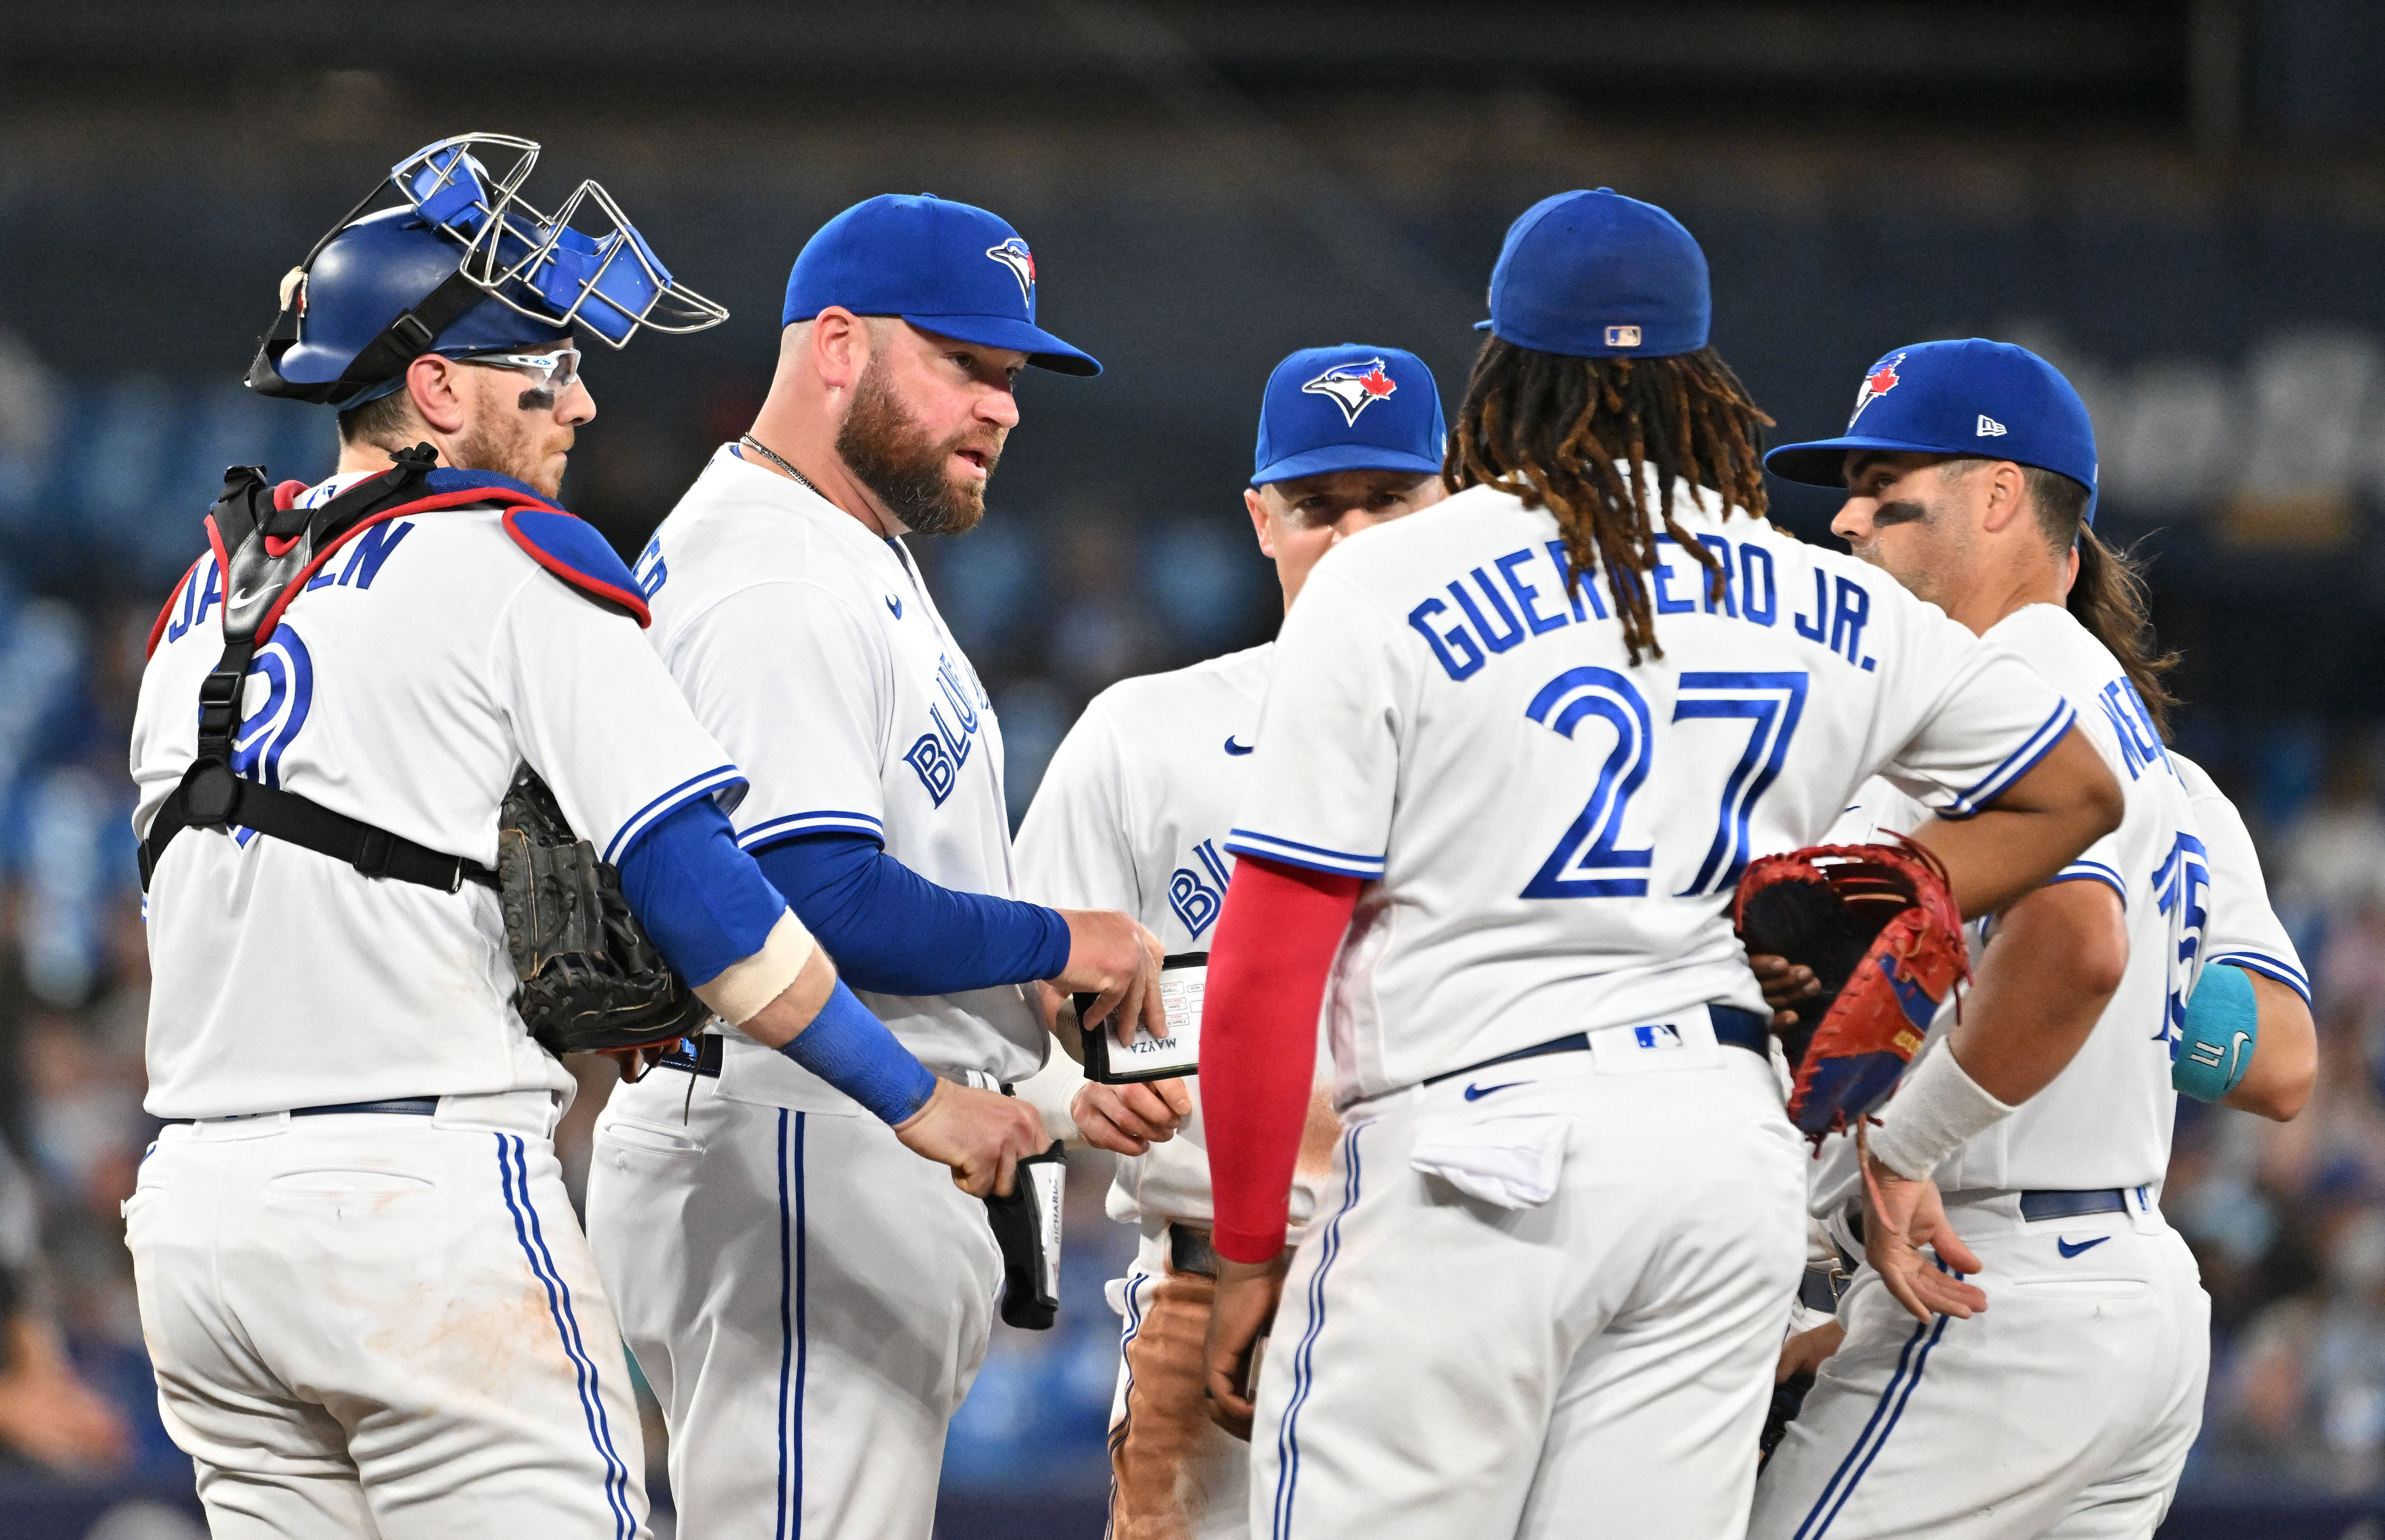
2289	1221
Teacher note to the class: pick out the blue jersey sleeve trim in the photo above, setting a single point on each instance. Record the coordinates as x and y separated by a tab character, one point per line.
893	932
1249	841
819	820
2284	972
2017	764
2093	871
718	779
704	902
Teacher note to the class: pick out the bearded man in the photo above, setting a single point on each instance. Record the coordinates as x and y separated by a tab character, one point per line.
809	1340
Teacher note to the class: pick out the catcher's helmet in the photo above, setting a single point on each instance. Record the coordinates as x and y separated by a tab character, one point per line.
467	267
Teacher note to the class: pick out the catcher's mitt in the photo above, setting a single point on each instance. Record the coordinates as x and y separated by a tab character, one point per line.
591	979
1878	925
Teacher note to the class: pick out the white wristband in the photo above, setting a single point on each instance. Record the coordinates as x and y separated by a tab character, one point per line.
740	990
1936	1108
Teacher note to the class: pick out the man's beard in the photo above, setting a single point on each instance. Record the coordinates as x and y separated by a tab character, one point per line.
508	443
885	449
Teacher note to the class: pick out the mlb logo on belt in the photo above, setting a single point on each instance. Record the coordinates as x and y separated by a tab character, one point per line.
1663	1036
1623	336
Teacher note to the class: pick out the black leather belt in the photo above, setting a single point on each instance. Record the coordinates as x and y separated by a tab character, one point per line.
411	1106
1820	1288
2072	1205
1741	1028
1189	1251
699	1056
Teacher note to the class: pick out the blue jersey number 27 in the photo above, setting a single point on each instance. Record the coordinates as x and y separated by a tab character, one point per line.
1588	862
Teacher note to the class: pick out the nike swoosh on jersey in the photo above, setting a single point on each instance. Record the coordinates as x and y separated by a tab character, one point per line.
1233	747
2069	1250
1476	1093
895	605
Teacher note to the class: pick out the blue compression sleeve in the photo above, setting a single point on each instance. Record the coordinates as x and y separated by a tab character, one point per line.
703	900
893	932
852	1050
2215	1040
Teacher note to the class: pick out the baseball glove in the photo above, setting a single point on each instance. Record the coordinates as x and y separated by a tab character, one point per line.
591	979
1878	925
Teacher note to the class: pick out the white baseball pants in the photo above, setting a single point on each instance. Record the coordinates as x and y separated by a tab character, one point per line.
1597	1364
2066	1409
810	1300
384	1325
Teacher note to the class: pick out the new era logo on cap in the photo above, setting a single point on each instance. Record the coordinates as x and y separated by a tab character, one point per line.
1991	427
1623	336
1352	387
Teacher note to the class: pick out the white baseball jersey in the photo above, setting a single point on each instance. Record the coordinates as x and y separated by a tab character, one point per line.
2106	1121
1550	833
810	644
2239	927
416	674
1133	815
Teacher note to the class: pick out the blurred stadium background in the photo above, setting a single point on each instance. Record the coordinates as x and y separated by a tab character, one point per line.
2182	204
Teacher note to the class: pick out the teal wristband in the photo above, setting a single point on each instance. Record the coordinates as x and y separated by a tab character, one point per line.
2215	1040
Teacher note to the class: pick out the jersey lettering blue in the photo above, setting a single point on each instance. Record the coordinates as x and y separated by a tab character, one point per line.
1196	895
1588	862
938	755
2179	883
652	571
1477	616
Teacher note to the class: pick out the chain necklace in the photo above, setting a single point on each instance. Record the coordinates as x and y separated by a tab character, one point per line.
750	442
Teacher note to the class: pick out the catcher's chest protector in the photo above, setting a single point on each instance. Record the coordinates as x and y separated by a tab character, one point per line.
591	978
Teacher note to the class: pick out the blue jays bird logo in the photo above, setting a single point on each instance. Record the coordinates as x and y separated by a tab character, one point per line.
1352	387
1013	253
1878	383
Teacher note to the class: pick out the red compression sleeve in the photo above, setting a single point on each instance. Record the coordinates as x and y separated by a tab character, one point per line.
1268	968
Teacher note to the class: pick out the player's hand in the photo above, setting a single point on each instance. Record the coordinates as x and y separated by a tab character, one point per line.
1240	1317
1804	1353
1130	1119
982	1135
1784	984
1902	1216
633	1063
1112	957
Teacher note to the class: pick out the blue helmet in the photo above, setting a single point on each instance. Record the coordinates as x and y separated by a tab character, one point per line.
465	267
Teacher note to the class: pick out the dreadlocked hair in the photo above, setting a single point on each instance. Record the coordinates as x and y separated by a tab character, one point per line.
1577	435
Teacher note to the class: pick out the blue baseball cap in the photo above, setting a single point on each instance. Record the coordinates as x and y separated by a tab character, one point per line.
1348	408
1969	398
1598	275
948	268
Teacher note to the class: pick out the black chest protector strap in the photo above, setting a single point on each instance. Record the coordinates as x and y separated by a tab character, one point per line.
263	550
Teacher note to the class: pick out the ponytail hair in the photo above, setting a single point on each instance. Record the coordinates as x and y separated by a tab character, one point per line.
2108	598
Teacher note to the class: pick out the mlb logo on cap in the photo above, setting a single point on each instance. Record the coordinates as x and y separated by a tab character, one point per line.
1597	275
1348	408
1970	397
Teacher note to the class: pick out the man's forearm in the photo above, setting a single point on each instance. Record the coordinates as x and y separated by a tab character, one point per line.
2065	802
2040	986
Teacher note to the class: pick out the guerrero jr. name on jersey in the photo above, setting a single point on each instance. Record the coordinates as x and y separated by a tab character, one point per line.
1835	616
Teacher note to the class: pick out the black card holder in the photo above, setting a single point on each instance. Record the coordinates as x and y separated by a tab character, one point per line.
1152	1058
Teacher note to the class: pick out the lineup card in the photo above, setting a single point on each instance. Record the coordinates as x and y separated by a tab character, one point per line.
1182	978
